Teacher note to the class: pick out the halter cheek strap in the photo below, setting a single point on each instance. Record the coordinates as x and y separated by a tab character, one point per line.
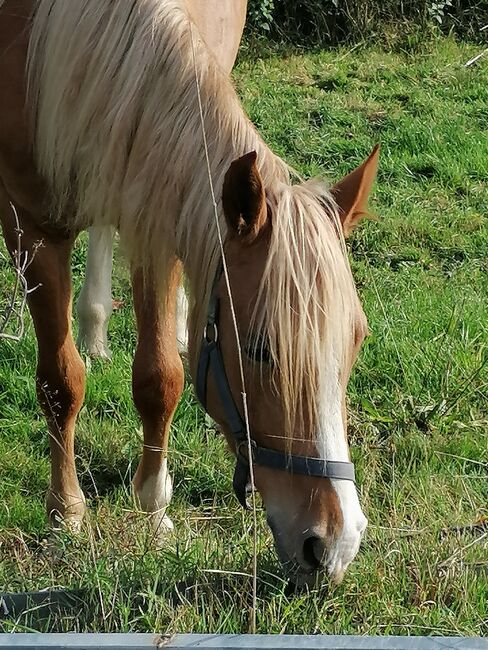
211	360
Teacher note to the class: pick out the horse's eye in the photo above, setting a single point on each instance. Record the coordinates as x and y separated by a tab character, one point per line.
257	349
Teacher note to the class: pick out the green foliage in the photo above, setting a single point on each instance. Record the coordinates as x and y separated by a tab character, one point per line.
438	11
260	14
320	21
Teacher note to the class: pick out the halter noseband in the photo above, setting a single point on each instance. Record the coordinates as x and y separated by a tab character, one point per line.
211	359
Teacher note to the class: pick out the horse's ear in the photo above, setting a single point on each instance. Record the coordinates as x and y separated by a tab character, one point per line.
352	192
243	198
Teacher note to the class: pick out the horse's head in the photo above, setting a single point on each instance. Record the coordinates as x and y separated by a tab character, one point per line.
301	326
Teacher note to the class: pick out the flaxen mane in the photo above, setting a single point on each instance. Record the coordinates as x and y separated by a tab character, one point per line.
118	135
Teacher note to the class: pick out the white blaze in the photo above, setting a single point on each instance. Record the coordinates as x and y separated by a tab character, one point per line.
332	445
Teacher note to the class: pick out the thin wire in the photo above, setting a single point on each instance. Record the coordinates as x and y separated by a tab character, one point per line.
238	345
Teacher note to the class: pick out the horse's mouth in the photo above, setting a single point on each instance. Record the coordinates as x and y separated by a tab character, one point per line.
301	576
303	579
297	574
315	578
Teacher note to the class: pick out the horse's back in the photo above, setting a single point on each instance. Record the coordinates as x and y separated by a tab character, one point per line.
17	170
221	24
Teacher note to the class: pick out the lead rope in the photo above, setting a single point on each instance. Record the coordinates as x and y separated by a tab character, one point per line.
252	623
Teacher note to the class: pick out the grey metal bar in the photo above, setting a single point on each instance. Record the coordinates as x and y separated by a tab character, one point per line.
323	642
234	642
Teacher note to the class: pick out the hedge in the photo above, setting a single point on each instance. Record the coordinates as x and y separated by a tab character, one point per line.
333	21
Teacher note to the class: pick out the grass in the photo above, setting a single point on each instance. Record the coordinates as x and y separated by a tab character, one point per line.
417	397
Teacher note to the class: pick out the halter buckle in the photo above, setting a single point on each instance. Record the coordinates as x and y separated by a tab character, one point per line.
243	444
210	333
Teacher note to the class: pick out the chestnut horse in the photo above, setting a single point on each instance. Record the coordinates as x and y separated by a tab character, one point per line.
221	25
102	121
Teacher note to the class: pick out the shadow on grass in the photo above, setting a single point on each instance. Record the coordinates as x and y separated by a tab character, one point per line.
61	610
103	481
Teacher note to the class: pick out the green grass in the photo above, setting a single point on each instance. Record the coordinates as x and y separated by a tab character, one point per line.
417	397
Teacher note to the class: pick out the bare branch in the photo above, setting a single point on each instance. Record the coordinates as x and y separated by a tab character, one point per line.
13	300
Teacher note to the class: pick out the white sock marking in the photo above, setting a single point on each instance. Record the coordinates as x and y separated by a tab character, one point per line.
154	497
181	320
94	305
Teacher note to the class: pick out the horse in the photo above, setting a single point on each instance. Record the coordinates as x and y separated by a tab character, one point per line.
221	26
118	115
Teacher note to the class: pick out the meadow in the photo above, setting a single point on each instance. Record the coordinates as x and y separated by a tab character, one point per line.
417	398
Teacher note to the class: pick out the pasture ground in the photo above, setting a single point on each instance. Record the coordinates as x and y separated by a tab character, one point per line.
418	395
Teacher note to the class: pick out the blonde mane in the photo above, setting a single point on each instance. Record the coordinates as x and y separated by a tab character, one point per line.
118	137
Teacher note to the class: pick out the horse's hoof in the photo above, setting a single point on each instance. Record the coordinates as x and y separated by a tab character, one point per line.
98	350
161	529
102	352
167	524
65	514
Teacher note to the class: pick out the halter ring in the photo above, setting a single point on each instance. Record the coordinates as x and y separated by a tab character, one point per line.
206	331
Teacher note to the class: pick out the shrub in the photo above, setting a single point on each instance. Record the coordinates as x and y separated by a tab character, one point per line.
320	21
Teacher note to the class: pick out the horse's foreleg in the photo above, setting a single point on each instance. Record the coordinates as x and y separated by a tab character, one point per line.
60	371
94	305
157	384
181	320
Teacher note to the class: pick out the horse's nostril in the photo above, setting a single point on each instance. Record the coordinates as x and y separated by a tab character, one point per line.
312	553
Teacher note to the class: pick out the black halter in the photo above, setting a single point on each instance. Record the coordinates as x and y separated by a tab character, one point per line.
211	359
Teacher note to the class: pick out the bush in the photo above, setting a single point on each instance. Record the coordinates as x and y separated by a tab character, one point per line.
332	21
